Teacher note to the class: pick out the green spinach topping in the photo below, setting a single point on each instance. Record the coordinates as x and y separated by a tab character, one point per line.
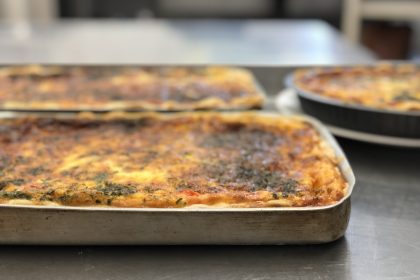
115	189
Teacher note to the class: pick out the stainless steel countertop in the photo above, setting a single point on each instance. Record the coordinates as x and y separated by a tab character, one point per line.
253	42
382	241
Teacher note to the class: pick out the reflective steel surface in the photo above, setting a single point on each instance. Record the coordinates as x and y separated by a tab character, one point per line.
382	242
261	42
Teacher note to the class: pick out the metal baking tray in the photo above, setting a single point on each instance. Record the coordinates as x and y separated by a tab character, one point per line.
66	225
132	108
357	117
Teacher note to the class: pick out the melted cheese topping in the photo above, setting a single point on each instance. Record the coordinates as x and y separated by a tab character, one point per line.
383	86
178	160
108	88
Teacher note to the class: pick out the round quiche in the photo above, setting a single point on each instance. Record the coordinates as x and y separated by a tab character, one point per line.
393	87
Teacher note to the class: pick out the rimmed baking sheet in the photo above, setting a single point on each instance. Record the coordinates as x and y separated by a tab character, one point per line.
101	225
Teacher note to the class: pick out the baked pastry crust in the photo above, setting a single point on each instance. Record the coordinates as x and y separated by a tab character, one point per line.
95	88
205	159
385	86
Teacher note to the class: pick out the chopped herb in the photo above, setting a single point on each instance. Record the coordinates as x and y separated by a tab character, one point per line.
4	162
16	182
100	177
45	182
183	185
36	171
406	96
21	159
148	189
65	198
45	197
50	192
48	195
115	189
15	195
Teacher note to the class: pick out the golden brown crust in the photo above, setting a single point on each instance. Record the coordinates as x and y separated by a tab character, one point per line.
389	87
127	88
179	160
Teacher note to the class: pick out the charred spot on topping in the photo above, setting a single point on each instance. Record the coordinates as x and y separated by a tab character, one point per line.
252	149
115	189
288	186
246	175
235	126
264	179
261	179
248	139
130	125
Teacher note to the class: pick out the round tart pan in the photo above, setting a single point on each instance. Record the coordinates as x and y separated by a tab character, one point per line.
356	117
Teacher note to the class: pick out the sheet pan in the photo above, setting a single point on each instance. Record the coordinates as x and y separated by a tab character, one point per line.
66	225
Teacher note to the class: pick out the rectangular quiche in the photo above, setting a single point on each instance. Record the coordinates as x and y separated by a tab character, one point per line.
103	88
202	159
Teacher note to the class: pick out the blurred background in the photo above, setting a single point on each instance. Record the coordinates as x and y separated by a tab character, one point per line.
202	31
